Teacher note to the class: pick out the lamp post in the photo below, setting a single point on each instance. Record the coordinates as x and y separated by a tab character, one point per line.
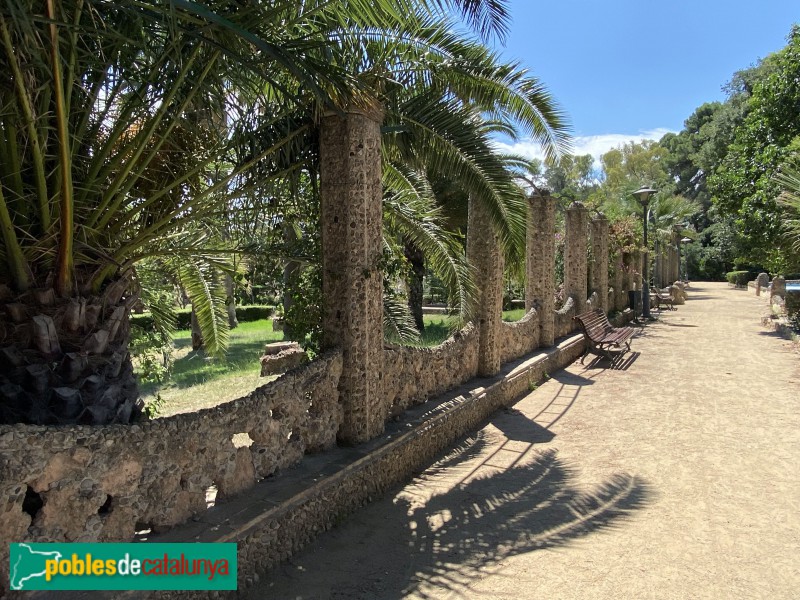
643	196
685	241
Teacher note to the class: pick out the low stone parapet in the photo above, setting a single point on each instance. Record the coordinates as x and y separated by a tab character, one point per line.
78	483
280	357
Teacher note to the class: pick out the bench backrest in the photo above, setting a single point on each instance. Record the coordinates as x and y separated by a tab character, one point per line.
594	323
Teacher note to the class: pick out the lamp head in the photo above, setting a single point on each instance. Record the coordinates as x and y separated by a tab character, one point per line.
643	195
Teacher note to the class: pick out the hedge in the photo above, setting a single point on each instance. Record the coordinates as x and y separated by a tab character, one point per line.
184	316
739	278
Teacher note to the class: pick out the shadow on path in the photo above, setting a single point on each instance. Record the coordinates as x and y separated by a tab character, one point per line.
447	540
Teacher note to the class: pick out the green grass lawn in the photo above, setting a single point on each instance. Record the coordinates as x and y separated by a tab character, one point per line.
513	315
438	328
197	381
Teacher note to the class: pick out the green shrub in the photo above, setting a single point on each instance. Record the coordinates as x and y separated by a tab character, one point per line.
244	314
738	278
247	314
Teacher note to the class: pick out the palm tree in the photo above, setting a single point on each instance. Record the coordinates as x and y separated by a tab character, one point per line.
119	141
115	146
443	95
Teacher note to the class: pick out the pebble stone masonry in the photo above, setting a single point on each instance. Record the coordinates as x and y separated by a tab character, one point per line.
599	268
352	285
540	264
575	263
483	252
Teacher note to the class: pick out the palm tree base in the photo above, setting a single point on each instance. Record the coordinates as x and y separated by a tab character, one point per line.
66	360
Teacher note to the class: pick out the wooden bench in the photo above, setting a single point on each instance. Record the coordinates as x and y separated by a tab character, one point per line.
602	338
661	298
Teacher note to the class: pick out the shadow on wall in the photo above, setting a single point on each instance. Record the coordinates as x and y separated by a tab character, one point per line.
446	541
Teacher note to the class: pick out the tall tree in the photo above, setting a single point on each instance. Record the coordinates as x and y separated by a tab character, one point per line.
744	184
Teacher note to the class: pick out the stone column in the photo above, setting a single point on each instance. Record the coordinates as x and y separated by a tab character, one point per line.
352	286
620	293
676	261
762	281
659	268
484	254
599	266
540	264
575	256
628	283
778	287
639	257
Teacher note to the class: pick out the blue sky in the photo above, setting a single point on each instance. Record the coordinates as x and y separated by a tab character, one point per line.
626	70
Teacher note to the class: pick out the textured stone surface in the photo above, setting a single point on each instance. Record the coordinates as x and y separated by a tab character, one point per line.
290	357
620	295
575	258
100	483
483	253
599	263
352	284
563	318
414	375
278	347
521	337
540	264
762	281
778	287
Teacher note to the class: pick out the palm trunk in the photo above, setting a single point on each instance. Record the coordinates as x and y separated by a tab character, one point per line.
66	360
416	259
197	335
233	322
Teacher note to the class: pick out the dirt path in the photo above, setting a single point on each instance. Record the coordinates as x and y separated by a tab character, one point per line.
675	476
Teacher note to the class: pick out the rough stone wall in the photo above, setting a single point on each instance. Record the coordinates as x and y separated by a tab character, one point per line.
100	483
483	252
414	375
778	287
351	216
620	296
564	325
275	535
676	265
762	281
540	264
658	268
638	259
599	266
521	337
592	302
575	257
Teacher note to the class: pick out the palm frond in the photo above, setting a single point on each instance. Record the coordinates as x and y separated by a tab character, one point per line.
206	291
398	323
789	179
410	212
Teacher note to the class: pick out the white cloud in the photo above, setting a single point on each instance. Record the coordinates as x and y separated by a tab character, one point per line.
596	145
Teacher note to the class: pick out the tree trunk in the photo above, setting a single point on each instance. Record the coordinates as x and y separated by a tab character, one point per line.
291	274
230	300
416	259
66	360
197	335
